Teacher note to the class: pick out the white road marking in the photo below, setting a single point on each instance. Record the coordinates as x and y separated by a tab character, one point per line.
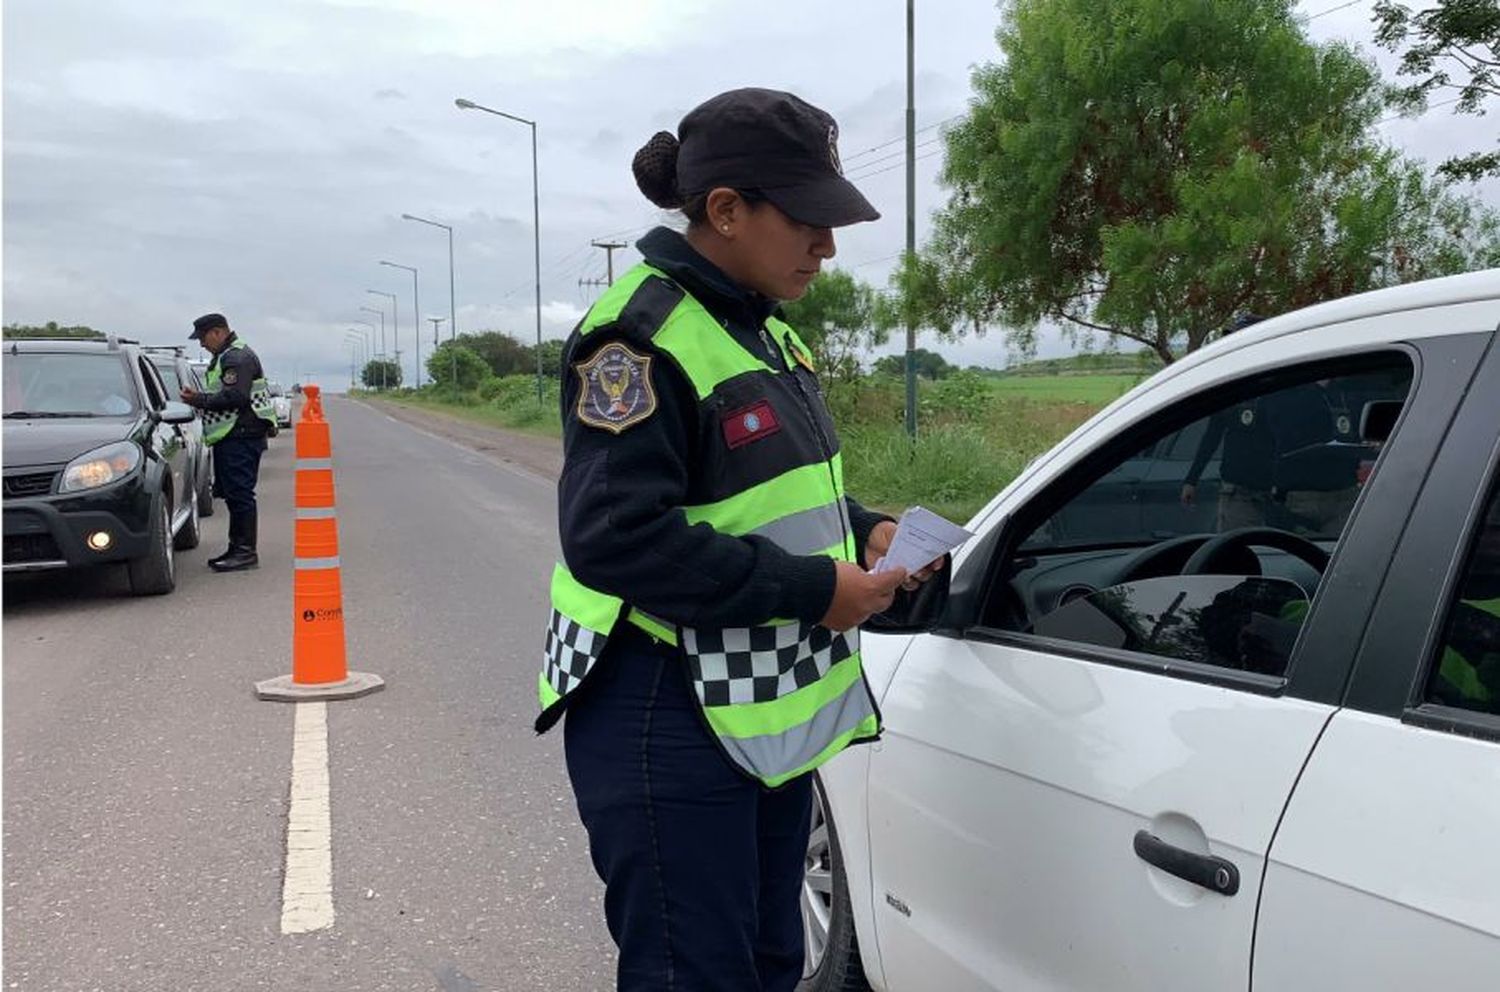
307	893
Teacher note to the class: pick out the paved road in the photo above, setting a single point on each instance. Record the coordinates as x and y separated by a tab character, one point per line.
146	790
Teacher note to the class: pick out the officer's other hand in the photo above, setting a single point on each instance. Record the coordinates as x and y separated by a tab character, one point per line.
859	595
879	542
1189	494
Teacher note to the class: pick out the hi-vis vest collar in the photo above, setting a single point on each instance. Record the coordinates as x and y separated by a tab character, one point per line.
218	423
783	697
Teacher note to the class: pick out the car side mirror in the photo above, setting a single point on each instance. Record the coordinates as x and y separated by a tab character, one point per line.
176	413
969	587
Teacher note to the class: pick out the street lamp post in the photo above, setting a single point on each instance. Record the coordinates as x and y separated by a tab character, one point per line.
416	317
395	323
381	353
452	311
536	224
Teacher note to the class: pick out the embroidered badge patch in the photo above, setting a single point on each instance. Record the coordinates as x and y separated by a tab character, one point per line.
230	377
615	388
749	423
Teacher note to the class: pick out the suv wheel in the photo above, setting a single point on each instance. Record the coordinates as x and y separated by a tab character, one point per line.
832	963
188	537
155	573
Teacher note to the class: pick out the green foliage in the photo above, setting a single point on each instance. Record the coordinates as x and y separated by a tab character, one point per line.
1461	35
51	330
836	318
502	353
930	365
381	373
457	359
1149	169
552	350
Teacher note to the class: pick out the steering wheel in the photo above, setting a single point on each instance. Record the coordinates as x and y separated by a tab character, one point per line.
1238	541
1158	560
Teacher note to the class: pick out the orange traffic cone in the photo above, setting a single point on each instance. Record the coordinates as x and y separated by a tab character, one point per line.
319	669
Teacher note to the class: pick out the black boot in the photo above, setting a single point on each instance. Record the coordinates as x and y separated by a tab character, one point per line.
241	555
236	530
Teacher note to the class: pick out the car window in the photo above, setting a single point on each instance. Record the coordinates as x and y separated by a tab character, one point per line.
155	392
1150	549
170	378
67	383
1466	670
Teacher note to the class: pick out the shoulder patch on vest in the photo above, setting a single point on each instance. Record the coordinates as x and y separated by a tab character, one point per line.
229	377
648	307
614	388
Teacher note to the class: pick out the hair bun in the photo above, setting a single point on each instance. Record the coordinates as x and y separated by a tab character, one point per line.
655	168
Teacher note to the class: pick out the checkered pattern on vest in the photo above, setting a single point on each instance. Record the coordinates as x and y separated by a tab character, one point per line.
571	651
759	664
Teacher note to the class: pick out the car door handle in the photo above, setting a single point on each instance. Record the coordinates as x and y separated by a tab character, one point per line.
1214	874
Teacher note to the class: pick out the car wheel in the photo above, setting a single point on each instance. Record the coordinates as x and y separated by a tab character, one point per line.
206	492
155	572
187	539
832	961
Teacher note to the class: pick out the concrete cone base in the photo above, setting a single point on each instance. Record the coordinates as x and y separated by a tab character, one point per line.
283	689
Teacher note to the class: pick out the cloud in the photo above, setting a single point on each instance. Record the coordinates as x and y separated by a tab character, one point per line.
389	93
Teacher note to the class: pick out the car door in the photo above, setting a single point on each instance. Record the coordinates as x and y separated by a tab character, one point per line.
1385	873
171	445
1043	795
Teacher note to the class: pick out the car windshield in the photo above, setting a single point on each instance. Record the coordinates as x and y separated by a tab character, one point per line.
169	376
64	384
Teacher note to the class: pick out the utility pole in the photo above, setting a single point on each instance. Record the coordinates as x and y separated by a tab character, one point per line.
610	247
911	211
435	322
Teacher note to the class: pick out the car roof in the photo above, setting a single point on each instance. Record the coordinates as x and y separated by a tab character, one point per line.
55	345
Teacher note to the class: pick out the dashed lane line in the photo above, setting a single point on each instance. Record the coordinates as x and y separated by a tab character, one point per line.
307	892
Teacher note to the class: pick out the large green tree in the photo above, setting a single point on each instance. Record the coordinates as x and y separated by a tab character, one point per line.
51	330
836	317
452	360
381	373
501	352
1451	45
1149	169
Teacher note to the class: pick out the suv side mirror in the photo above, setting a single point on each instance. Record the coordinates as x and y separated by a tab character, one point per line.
969	587
176	413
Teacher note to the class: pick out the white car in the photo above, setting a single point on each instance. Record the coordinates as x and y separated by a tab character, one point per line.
282	402
1214	702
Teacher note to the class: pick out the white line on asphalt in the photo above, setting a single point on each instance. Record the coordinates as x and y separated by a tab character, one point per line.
307	893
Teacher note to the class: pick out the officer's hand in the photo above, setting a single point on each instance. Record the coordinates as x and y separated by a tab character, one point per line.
859	595
879	542
189	395
1189	494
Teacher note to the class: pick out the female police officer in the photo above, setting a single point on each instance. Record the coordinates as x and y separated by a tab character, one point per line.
703	632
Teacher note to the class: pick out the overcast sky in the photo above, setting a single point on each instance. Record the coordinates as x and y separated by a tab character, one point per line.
164	159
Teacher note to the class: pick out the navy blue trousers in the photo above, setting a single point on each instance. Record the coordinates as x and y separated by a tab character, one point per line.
236	470
702	866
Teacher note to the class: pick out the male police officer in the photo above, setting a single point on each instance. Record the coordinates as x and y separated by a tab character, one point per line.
238	416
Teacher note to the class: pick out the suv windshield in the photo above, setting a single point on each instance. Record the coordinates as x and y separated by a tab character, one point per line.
63	384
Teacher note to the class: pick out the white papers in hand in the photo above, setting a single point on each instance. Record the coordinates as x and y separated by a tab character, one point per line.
922	537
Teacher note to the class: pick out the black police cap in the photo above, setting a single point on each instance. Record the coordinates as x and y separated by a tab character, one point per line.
773	142
206	323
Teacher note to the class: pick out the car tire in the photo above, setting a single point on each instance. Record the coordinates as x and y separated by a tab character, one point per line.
206	492
188	537
155	572
833	963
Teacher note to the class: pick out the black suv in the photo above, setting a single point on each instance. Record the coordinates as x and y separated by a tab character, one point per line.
96	464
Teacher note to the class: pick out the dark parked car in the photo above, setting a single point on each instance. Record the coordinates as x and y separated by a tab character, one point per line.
177	372
96	463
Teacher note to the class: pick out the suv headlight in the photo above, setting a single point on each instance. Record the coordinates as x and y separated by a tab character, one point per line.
100	467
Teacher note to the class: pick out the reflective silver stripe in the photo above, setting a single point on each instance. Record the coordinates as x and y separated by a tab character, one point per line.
314	463
807	532
311	563
316	513
774	755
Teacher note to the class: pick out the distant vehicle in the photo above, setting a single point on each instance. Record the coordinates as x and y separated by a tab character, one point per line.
97	467
282	403
1172	733
177	372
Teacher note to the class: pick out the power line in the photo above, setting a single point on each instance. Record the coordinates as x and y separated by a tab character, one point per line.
1334	9
1429	107
886	144
896	154
898	165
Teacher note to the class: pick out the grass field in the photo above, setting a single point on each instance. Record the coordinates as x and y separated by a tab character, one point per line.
975	434
1098	389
